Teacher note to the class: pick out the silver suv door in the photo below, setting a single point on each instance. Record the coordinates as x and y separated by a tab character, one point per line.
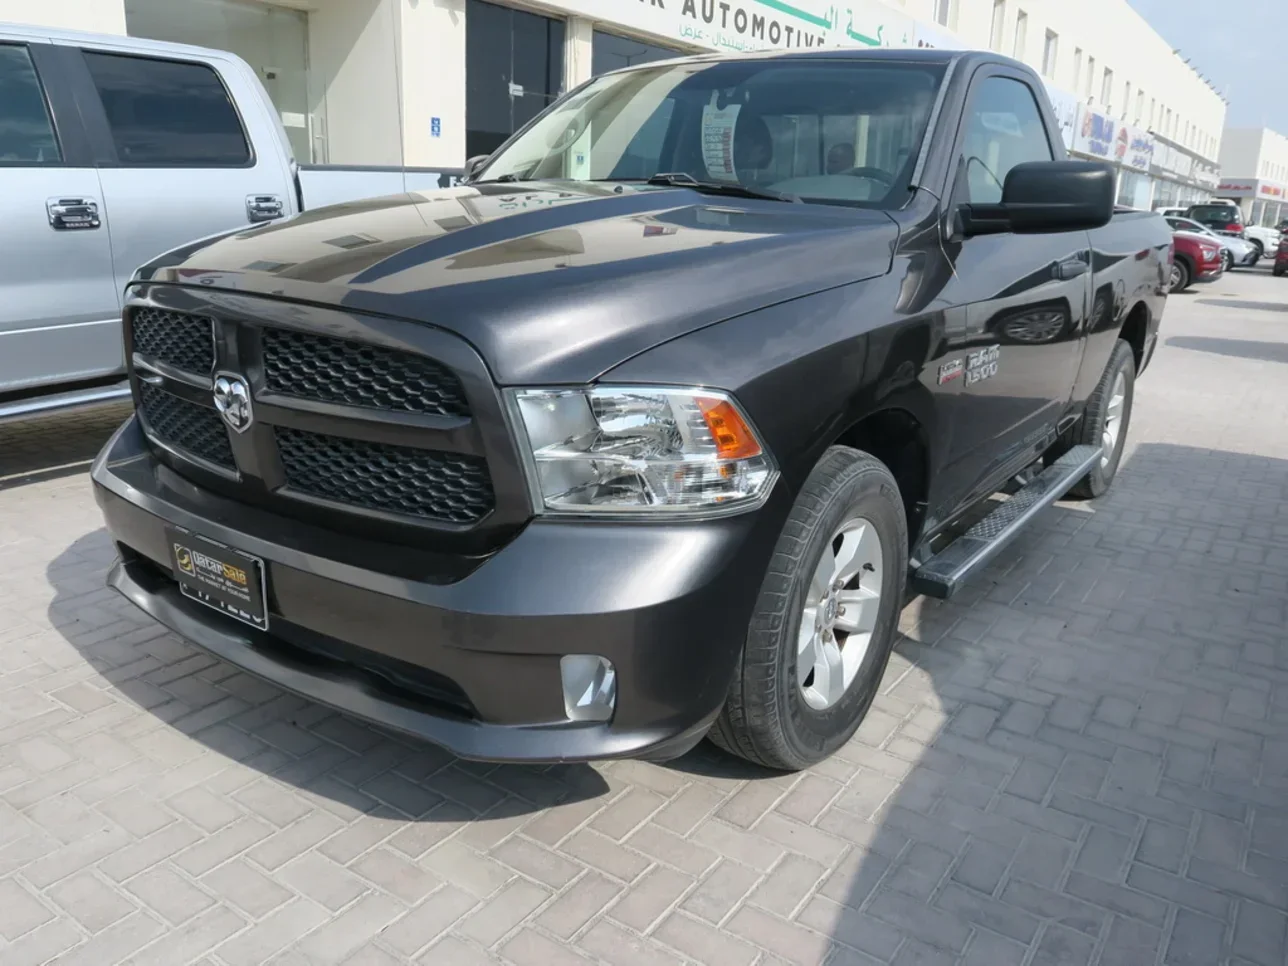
59	310
181	160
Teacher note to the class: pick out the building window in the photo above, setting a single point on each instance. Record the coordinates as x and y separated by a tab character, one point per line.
1077	67
1140	107
1107	90
1153	104
999	23
1091	75
1049	50
1126	100
1021	30
514	68
944	12
610	52
28	133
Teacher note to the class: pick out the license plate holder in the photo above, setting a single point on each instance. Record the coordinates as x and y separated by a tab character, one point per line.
227	580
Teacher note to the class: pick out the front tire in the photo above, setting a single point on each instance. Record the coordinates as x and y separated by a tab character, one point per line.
1260	249
1227	261
825	620
1106	421
1279	270
1180	279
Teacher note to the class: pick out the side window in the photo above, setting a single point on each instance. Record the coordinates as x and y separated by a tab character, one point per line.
164	112
26	131
1003	128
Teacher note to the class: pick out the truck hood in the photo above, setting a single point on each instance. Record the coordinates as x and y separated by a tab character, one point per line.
550	282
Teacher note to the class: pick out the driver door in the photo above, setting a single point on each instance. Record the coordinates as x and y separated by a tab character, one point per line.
1014	345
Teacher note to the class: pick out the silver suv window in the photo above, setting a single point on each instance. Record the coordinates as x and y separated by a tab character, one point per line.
26	131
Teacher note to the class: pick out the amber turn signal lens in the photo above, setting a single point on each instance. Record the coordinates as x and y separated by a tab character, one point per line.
733	437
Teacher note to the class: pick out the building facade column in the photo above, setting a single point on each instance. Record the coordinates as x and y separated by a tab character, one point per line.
579	48
431	59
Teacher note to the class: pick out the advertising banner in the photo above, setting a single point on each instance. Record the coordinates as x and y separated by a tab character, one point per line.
1066	107
1097	135
1106	138
1140	148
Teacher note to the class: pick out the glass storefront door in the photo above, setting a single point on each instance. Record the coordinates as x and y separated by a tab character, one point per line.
514	65
273	40
610	52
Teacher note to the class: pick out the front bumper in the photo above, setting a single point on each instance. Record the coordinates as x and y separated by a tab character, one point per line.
470	663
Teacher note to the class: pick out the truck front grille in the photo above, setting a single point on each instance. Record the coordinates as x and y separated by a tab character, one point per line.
445	487
371	433
347	373
178	339
186	426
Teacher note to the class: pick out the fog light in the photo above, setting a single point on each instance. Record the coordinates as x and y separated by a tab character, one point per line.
589	687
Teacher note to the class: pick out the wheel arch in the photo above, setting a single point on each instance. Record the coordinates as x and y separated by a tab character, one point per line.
899	439
1135	331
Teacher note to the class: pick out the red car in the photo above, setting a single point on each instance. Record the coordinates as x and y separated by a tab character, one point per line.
1194	259
1281	257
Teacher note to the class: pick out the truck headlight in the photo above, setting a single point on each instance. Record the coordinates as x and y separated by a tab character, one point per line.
633	450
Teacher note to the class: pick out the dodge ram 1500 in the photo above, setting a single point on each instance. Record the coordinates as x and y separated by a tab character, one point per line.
646	432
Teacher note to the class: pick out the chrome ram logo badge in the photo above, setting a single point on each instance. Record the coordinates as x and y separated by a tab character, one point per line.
232	399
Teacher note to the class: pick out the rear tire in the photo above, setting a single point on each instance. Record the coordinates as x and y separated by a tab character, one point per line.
1107	420
1261	250
1227	261
800	692
1279	270
1180	280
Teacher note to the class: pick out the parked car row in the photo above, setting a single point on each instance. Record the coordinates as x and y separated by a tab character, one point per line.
1195	258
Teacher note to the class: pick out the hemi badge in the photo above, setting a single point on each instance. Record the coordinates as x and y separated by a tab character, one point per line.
950	371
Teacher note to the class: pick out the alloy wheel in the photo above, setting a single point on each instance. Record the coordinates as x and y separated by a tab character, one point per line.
841	607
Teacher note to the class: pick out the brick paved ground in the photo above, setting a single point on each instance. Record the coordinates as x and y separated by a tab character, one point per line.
1082	760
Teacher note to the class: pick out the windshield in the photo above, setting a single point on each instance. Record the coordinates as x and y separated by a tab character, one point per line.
1221	213
830	131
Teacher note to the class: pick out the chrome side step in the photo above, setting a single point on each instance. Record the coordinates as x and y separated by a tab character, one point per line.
942	574
64	401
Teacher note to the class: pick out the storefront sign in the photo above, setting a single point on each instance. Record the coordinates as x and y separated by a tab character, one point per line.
1140	148
1065	106
1102	136
1097	136
1237	189
1269	191
753	24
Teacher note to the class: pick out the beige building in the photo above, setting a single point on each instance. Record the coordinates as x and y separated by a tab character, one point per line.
1254	172
431	82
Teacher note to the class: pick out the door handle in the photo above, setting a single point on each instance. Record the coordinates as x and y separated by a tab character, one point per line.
72	214
264	208
1071	268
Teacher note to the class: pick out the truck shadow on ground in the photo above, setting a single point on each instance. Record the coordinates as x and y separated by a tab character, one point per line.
54	446
1245	305
1084	757
1235	348
1081	759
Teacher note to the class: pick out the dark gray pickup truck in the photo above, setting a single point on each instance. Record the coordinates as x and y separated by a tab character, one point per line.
648	431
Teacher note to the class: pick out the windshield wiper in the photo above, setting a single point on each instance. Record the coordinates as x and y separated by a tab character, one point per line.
681	179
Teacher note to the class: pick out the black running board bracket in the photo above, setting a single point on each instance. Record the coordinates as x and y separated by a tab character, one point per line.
944	573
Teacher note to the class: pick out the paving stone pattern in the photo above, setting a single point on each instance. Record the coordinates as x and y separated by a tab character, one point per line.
1081	760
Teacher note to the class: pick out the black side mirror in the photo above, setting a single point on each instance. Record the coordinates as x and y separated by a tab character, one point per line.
1046	196
474	165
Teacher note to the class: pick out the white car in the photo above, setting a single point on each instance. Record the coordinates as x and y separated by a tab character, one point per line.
1236	252
1219	213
